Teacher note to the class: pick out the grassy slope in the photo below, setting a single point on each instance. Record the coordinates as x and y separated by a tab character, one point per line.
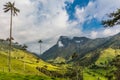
17	62
16	76
107	54
17	66
93	74
31	73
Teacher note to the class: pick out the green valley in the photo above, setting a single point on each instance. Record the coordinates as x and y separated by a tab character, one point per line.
59	40
26	65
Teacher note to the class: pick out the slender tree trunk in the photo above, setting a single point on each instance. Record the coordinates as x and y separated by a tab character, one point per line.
40	48
24	62
9	62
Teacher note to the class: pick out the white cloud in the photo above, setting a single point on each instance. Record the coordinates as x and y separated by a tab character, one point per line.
71	1
111	31
94	34
47	20
80	14
103	32
38	19
99	10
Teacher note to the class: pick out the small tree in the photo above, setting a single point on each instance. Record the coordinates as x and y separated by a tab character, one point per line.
74	55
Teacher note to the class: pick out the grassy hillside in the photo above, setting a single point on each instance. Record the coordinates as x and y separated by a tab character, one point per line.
107	55
26	66
103	68
16	76
23	65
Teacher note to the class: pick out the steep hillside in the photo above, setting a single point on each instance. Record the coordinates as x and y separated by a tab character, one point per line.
108	47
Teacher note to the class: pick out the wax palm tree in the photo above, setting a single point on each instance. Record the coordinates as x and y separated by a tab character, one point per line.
40	41
13	11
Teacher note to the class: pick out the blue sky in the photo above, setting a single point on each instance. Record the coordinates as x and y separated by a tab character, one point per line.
49	19
88	25
70	7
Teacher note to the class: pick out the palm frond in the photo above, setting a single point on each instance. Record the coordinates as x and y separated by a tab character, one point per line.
114	19
40	41
10	4
13	4
15	11
6	10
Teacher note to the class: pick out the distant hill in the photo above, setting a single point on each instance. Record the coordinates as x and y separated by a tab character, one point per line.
82	47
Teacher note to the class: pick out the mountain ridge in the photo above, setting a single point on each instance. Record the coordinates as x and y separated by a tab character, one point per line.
80	45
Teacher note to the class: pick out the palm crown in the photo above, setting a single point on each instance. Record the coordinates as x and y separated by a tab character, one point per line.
11	7
40	41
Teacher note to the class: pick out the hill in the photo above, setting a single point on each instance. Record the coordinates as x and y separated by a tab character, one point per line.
98	59
24	65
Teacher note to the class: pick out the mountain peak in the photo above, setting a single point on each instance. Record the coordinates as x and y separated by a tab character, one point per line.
66	46
63	37
63	41
80	39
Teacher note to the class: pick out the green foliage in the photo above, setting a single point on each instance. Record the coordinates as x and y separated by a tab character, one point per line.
116	63
59	60
114	19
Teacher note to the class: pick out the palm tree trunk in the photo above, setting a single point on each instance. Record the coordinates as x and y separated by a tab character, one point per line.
40	48
9	64
24	63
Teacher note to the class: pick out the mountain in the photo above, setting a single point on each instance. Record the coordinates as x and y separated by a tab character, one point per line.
81	46
94	54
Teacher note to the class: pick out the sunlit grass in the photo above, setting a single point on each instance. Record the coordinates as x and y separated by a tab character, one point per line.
107	55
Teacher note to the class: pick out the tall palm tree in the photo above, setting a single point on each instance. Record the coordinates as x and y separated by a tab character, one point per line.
40	41
13	11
